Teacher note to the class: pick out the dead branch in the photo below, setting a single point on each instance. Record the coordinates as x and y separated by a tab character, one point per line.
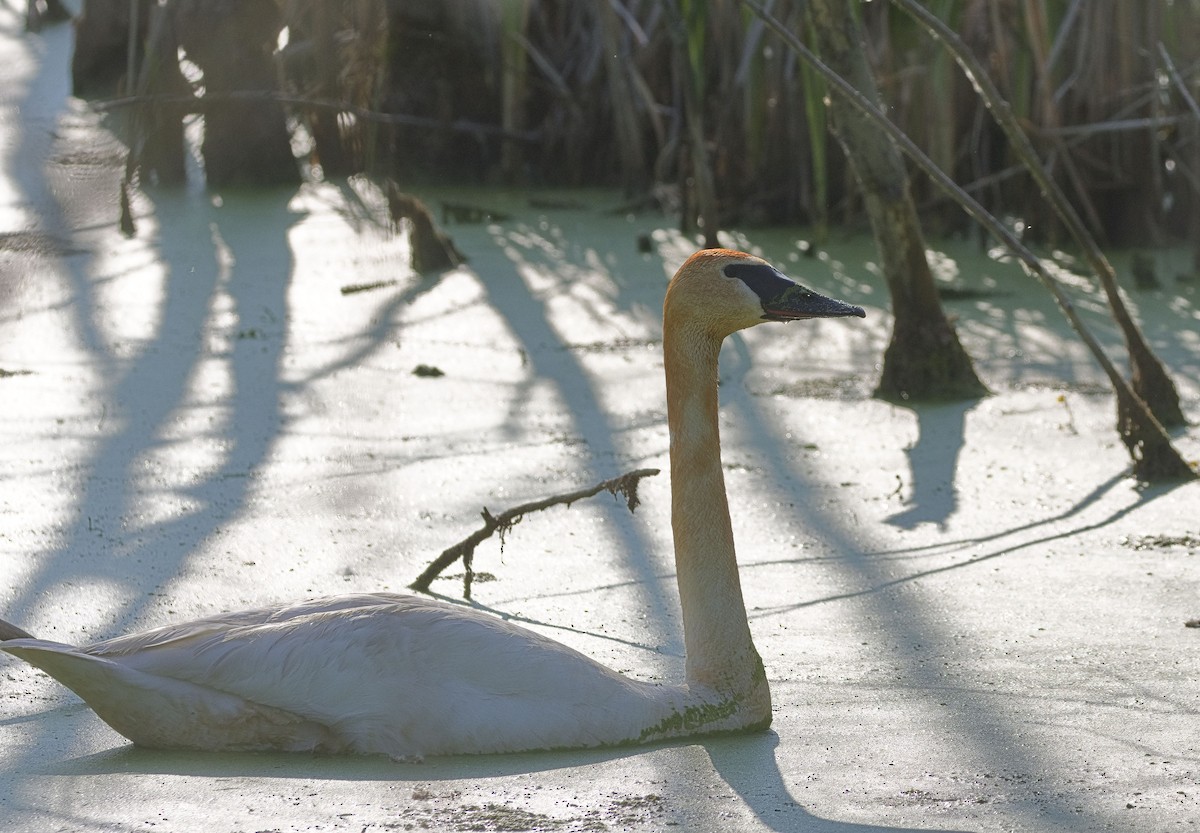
1087	131
432	249
626	486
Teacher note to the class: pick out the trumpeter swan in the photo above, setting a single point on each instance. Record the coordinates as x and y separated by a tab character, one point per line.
409	676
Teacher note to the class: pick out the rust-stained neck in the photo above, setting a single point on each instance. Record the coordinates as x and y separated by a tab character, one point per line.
720	653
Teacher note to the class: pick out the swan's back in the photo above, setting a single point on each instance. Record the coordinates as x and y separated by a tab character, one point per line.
381	673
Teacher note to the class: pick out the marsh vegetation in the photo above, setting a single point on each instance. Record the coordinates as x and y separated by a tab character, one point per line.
1065	125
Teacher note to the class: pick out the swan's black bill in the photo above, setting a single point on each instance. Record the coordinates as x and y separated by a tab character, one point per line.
785	300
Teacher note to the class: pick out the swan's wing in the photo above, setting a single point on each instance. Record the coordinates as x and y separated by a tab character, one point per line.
164	712
184	633
401	675
382	673
159	687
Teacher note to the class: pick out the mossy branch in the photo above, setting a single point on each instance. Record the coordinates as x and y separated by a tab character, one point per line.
625	486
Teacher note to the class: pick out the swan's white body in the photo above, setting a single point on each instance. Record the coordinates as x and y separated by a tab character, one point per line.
381	673
409	676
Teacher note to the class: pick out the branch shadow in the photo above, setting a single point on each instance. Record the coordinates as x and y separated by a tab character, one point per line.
747	764
909	623
213	258
245	259
504	268
976	560
138	514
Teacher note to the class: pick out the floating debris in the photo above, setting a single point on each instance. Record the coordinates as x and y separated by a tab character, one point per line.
1159	542
457	212
351	288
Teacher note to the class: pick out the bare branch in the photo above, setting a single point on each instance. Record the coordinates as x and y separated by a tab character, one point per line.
1178	81
625	486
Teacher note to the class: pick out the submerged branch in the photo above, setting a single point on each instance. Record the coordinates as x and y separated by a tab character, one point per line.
1154	458
198	104
626	486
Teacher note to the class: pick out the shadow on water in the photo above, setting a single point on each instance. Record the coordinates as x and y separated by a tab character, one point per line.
904	616
933	461
746	763
127	758
221	317
226	265
384	327
504	269
223	302
749	766
236	258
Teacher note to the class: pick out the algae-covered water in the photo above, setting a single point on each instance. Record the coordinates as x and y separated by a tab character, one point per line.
971	617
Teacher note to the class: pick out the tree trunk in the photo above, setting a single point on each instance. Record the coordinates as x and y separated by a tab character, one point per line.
323	121
514	87
699	191
232	41
157	137
924	359
631	148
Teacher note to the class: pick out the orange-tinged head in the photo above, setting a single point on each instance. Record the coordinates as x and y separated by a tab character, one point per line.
723	291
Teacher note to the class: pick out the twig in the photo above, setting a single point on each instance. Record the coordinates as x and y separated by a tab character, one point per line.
1178	81
1150	123
351	288
626	486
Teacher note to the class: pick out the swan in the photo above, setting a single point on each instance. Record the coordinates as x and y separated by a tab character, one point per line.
408	676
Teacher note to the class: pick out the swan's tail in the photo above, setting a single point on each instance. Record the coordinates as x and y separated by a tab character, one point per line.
10	631
167	713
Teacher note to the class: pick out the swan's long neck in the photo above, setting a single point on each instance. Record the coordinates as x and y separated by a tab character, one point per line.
720	653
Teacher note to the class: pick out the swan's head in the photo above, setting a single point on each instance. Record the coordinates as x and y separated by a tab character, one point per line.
724	291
